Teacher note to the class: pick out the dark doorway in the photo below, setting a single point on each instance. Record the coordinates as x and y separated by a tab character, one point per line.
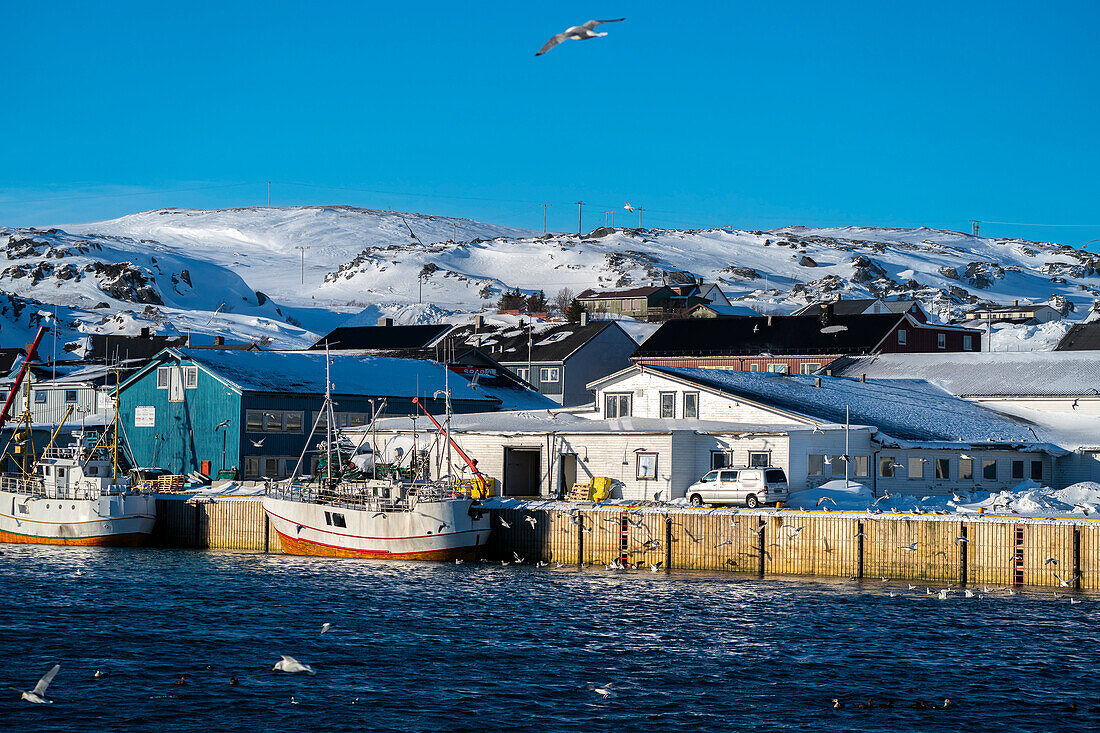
521	472
567	473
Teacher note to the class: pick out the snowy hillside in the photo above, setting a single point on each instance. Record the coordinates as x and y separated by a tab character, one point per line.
239	272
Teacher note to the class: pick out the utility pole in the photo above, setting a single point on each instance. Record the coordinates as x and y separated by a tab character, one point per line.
605	217
269	194
420	288
544	208
303	262
639	210
580	208
974	226
454	231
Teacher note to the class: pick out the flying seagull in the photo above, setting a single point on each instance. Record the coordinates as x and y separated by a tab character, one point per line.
39	690
577	33
628	207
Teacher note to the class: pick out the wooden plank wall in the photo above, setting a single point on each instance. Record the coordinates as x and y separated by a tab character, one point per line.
221	525
936	550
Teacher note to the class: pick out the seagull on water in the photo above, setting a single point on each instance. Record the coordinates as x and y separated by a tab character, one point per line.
292	666
325	627
604	691
582	32
459	561
36	695
99	673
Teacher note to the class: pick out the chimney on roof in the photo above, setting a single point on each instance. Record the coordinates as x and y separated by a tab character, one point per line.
769	320
584	318
828	372
817	381
863	377
479	322
219	340
384	321
1015	303
698	280
146	332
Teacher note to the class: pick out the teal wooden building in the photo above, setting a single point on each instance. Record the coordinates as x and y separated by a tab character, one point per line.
204	410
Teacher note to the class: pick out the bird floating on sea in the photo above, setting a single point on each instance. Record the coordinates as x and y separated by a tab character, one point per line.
292	666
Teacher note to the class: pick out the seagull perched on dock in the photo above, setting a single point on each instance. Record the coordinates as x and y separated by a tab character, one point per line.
583	32
36	695
292	666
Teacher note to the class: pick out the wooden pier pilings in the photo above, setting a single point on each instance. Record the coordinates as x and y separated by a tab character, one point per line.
933	548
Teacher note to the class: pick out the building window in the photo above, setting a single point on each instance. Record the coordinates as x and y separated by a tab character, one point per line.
916	467
966	469
777	368
190	377
763	459
941	340
754	367
862	466
943	468
39	397
271	467
647	466
809	367
273	421
70	396
691	404
524	373
720	459
1037	470
886	467
1017	469
839	466
968	343
668	404
162	377
902	337
989	470
616	405
251	467
548	374
816	465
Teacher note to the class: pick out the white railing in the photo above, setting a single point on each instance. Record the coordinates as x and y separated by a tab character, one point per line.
363	495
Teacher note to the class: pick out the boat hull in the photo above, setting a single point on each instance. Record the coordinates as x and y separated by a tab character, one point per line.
442	530
109	521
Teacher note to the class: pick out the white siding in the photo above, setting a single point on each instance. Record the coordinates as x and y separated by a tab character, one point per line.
646	391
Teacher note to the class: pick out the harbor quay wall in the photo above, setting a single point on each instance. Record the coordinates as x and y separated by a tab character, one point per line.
996	551
992	550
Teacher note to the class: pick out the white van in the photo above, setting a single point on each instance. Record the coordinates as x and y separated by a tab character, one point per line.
749	486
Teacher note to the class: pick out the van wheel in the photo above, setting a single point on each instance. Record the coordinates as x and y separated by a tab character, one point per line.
696	500
751	501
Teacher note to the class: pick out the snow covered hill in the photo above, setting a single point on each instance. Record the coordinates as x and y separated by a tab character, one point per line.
239	272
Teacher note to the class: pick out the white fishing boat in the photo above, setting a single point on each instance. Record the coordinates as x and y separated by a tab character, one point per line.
399	517
75	497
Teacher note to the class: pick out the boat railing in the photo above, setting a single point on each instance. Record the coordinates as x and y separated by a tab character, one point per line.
362	495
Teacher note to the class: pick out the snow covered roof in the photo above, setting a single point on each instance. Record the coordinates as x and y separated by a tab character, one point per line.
303	372
1081	337
986	374
544	421
908	409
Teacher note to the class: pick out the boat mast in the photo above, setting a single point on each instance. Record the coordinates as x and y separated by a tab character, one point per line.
328	416
114	442
447	408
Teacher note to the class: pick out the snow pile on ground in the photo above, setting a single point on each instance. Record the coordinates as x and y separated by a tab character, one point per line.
839	494
229	489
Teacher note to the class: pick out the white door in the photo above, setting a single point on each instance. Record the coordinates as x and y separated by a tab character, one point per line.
727	486
175	385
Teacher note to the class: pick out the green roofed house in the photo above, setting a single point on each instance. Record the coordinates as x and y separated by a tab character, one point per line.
201	410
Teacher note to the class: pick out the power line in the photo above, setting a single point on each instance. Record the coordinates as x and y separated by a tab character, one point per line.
125	195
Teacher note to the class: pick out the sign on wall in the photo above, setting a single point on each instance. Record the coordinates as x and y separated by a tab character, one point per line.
145	417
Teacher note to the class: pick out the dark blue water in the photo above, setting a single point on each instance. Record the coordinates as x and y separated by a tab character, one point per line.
485	647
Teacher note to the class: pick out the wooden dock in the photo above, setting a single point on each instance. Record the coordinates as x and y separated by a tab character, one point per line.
933	548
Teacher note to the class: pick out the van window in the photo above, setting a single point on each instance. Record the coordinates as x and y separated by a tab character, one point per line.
729	475
775	476
709	477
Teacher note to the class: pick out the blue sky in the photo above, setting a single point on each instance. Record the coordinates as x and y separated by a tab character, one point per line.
753	115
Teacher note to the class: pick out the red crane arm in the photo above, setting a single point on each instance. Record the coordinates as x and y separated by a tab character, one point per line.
31	350
469	461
